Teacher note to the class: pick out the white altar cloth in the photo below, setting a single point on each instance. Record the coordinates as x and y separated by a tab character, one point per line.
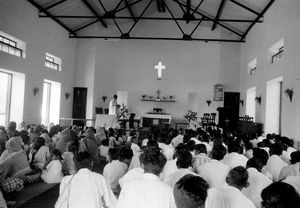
106	121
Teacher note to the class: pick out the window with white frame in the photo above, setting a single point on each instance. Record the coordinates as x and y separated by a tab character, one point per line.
5	86
12	45
12	87
252	67
51	102
276	51
52	62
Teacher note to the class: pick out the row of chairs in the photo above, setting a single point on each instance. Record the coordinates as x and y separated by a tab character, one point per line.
208	120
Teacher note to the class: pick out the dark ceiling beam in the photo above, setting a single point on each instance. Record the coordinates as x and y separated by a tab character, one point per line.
220	10
169	10
257	18
203	15
89	6
158	38
41	9
107	14
54	4
99	18
125	7
150	18
197	26
145	9
197	7
245	7
130	10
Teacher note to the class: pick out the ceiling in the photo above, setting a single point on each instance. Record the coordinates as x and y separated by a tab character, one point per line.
197	20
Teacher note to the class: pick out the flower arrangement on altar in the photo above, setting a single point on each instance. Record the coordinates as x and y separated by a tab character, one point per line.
191	116
123	111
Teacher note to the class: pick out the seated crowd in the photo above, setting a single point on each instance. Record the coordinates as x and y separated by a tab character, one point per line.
166	169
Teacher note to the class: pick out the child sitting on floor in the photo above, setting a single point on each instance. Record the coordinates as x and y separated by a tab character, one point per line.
52	171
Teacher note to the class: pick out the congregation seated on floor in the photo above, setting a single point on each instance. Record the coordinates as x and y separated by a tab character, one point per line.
165	168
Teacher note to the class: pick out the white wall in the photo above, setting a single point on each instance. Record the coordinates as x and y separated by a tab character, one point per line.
281	21
20	19
128	65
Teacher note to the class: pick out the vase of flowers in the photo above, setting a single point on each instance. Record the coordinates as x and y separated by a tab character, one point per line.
191	116
123	111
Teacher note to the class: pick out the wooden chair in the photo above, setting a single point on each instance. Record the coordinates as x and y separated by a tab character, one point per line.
205	120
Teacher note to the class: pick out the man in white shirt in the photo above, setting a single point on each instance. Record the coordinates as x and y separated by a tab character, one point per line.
293	169
190	192
184	162
214	171
231	196
275	164
113	106
200	156
148	191
178	139
234	157
117	168
257	181
85	188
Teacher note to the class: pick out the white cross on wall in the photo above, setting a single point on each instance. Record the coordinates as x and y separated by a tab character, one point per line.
159	68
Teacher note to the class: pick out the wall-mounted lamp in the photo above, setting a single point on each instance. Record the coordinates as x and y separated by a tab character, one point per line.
67	95
289	93
35	91
258	100
242	102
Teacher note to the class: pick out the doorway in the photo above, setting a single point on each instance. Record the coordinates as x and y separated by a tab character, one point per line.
273	106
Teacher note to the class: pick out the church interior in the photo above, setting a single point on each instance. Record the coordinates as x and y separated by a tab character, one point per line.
227	66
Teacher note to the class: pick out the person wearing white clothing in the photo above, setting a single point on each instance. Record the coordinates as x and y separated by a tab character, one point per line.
117	168
113	106
214	171
148	191
231	196
275	164
178	139
257	181
85	188
184	162
134	173
52	172
234	158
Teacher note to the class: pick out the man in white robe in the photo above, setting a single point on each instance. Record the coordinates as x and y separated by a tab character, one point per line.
214	171
257	181
113	106
293	181
178	139
85	188
148	191
134	173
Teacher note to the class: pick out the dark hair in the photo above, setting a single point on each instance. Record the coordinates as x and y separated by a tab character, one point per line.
105	142
125	152
113	153
234	147
261	154
200	148
25	138
218	152
192	191
190	145
184	159
255	163
280	195
71	147
153	160
239	176
295	157
57	153
276	149
152	143
83	160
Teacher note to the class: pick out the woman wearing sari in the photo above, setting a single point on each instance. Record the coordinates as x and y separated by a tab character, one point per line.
89	144
39	153
100	135
13	161
66	138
